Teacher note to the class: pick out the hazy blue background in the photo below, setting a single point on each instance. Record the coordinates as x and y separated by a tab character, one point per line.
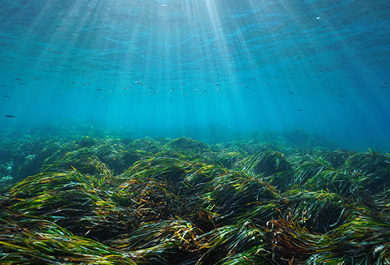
209	68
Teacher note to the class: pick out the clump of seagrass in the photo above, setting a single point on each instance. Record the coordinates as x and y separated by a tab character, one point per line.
267	163
371	170
25	239
188	145
117	156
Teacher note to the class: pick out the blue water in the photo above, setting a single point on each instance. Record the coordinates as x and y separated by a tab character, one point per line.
210	69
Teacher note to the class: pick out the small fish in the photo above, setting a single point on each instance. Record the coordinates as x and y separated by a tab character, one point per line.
6	96
98	89
300	109
19	79
9	116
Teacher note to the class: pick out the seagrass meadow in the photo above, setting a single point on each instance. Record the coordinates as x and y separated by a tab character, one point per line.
108	199
194	132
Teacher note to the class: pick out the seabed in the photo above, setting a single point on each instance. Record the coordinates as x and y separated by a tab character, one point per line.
113	200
